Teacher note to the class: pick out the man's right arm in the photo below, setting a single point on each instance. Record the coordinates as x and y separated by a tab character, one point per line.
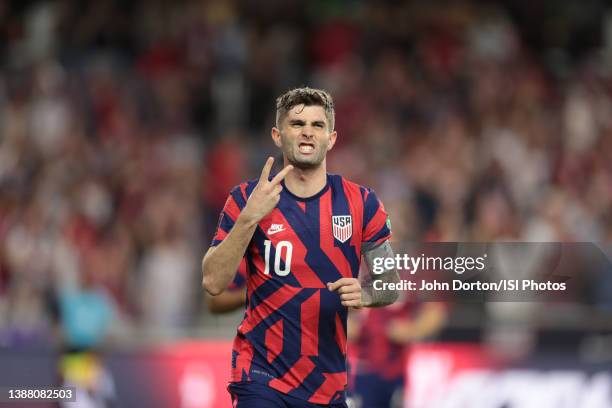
220	263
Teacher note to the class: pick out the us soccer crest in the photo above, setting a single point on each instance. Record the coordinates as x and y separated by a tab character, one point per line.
342	227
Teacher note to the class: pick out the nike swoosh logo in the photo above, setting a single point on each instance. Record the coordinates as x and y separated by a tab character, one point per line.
272	231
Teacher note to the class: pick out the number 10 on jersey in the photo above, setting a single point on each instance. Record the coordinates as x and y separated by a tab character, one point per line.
280	247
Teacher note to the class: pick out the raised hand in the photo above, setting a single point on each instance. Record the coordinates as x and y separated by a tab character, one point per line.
266	194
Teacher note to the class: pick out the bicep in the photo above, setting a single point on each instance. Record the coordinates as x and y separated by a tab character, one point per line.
376	225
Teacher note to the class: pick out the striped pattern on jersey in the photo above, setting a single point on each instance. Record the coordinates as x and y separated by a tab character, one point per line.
293	335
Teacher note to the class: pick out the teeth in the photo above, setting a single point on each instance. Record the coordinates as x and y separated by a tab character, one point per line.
306	148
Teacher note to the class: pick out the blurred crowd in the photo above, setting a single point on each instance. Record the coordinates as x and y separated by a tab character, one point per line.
123	125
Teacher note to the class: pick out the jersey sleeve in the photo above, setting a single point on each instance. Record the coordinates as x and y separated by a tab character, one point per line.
233	206
376	225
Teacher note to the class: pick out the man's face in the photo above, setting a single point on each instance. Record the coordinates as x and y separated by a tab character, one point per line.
304	136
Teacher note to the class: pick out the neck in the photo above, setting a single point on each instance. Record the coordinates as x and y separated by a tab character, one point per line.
306	182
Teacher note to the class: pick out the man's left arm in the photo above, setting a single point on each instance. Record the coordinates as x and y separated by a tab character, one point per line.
370	296
354	293
376	231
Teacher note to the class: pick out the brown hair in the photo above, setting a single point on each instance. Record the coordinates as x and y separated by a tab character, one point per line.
307	97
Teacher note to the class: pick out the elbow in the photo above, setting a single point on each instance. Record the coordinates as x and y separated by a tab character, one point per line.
210	287
394	296
208	283
387	302
389	298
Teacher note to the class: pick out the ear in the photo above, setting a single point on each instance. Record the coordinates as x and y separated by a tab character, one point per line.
276	137
332	140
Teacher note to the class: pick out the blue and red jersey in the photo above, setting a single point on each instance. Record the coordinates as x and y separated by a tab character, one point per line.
239	281
293	335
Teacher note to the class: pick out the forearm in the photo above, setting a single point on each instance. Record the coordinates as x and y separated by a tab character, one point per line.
220	263
372	297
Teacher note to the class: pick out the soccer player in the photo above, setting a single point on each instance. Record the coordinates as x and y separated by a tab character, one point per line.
303	233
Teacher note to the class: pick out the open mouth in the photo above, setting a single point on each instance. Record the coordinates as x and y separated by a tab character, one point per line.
306	148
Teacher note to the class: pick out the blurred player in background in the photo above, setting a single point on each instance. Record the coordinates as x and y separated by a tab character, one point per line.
382	338
303	233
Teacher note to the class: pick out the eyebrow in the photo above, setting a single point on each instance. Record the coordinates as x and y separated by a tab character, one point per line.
301	122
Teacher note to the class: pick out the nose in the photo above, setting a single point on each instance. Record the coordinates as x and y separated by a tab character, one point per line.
307	132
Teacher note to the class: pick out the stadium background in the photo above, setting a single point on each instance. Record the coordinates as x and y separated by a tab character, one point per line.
123	125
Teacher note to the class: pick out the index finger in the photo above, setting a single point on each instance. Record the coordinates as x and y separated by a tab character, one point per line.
339	283
281	175
265	173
